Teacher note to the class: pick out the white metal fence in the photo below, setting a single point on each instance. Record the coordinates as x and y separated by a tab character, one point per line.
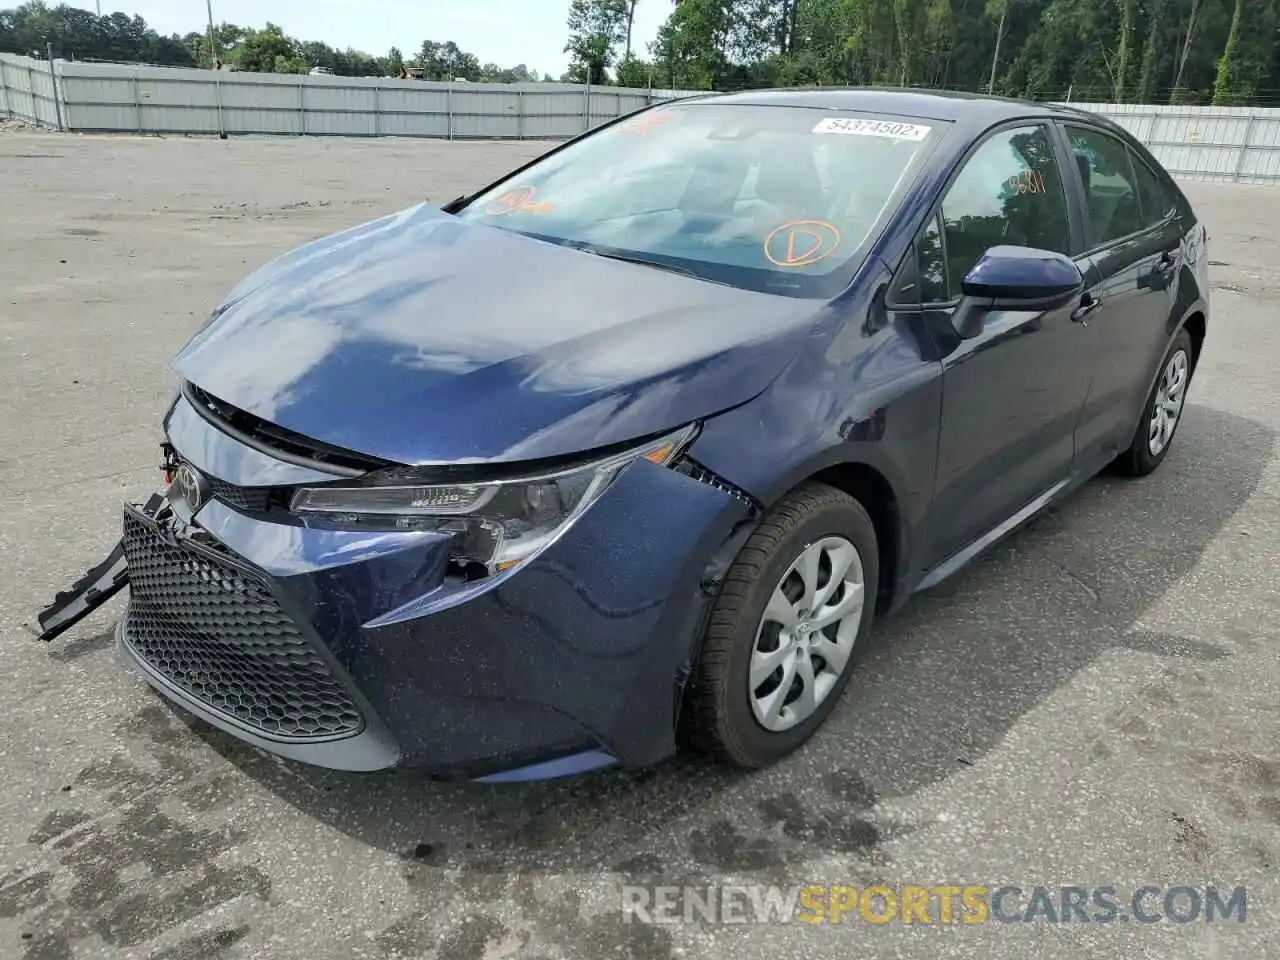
1211	143
1205	143
27	90
99	97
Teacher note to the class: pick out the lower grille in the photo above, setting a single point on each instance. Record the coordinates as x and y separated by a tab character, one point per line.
217	634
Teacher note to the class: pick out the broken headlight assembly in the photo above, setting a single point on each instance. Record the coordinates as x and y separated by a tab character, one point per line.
494	525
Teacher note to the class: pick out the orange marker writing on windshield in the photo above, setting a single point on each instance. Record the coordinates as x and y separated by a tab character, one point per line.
801	243
519	200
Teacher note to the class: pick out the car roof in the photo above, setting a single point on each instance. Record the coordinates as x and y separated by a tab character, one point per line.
964	109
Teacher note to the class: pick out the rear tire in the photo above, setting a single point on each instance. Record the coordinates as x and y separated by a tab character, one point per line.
1161	414
814	551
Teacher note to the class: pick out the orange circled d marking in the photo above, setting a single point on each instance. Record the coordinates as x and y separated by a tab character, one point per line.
801	243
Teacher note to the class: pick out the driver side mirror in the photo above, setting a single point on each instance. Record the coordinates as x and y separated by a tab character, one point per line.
1015	278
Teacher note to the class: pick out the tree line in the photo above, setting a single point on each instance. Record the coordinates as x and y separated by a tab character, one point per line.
77	34
1123	51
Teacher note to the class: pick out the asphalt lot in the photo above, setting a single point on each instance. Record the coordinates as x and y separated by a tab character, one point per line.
1093	703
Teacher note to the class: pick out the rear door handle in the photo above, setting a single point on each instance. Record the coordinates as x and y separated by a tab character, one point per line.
1088	304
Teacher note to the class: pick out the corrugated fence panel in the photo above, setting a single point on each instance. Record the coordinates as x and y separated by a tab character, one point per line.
260	96
552	127
1232	143
1261	166
1266	132
261	120
28	91
1204	143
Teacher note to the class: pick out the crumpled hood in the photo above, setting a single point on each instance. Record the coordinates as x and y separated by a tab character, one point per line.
422	339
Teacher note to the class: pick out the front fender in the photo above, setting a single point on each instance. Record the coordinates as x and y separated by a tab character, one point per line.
801	427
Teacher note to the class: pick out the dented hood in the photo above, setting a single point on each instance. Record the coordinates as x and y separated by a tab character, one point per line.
422	339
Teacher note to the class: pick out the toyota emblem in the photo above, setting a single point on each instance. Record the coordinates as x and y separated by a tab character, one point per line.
190	487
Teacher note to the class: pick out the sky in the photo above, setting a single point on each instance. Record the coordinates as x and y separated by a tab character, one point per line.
505	32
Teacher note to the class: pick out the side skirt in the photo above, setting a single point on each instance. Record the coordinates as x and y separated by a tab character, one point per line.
964	556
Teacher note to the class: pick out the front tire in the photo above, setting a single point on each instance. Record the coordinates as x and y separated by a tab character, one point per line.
783	634
1162	413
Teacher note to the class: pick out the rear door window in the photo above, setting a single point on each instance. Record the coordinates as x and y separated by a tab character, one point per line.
1157	203
1110	185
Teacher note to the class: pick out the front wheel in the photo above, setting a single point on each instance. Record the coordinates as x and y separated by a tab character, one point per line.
780	645
1162	414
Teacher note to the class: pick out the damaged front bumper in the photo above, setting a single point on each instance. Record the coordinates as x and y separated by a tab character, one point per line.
98	585
348	651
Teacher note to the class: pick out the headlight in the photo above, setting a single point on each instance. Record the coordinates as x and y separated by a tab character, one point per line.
494	525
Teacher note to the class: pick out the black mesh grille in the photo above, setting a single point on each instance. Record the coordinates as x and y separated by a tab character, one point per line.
248	499
218	634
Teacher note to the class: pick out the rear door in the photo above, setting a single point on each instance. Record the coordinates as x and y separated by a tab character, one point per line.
1132	259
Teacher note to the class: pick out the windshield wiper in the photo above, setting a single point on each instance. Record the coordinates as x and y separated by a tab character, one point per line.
646	262
456	204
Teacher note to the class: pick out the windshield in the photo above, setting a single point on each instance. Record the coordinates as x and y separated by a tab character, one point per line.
777	199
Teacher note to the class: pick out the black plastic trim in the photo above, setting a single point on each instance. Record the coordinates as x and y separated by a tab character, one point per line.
285	445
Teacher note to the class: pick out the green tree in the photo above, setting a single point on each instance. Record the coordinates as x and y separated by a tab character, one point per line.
692	48
633	72
595	28
447	61
631	19
81	35
260	50
1129	50
1224	85
393	63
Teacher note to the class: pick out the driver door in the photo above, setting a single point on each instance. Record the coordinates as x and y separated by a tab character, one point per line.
1012	394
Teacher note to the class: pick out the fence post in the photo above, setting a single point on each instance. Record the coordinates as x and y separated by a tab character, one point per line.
31	89
302	106
4	90
1244	147
519	114
448	93
217	93
377	107
53	81
137	101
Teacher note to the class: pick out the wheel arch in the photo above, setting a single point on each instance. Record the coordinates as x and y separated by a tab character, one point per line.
871	484
872	489
1196	325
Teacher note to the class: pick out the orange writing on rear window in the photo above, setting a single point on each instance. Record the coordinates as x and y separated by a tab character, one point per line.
519	200
1028	181
801	243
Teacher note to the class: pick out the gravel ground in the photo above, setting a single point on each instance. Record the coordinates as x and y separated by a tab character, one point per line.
1092	703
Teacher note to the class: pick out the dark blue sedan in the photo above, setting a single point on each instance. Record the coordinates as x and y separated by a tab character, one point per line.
632	447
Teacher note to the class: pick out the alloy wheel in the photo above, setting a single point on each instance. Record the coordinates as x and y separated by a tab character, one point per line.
1170	394
806	634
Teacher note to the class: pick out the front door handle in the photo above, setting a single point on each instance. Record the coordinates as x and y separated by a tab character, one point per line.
1088	304
1166	263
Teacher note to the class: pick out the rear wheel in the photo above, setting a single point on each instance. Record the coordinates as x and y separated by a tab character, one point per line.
783	633
1162	414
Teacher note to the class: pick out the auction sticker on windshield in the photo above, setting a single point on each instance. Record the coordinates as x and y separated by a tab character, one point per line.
873	128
